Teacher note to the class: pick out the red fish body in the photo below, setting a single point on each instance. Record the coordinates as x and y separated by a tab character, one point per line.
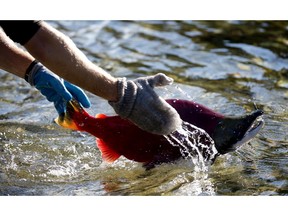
117	136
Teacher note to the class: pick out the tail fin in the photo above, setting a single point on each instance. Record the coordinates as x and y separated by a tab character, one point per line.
231	133
70	119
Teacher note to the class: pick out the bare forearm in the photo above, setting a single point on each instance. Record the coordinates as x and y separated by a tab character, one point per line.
12	58
58	53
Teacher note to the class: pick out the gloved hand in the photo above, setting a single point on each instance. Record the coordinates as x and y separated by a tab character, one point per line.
54	88
139	103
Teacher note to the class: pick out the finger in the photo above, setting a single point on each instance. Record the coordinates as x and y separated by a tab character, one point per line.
48	93
60	106
78	94
61	90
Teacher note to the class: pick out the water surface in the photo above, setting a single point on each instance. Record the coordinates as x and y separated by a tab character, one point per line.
226	65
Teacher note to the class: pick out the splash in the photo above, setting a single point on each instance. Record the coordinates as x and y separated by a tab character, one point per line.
195	145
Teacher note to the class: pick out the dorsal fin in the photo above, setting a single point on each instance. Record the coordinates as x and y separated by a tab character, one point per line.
100	115
108	154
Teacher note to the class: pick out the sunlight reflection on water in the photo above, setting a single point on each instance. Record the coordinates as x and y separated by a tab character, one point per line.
224	65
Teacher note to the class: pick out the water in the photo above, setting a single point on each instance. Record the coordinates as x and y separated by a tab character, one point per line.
195	145
227	66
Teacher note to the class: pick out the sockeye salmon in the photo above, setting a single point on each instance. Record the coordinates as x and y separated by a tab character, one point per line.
116	136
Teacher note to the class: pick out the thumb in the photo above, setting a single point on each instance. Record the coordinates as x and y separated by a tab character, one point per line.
159	79
78	94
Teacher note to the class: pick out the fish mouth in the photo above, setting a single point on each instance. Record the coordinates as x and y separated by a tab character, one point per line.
233	132
256	126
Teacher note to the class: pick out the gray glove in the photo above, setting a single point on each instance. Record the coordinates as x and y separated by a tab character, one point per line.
139	103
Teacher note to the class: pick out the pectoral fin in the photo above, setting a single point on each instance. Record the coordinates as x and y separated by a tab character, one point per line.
108	154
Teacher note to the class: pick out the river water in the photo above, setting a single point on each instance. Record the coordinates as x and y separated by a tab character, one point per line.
226	65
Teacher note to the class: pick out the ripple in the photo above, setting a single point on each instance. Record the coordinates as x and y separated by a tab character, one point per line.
225	65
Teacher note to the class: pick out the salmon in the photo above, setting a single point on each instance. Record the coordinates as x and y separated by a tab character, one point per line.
117	137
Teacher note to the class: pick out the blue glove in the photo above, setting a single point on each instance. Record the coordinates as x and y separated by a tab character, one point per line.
54	88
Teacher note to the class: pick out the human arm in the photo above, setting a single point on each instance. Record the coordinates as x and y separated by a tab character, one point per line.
147	110
12	58
54	88
59	54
